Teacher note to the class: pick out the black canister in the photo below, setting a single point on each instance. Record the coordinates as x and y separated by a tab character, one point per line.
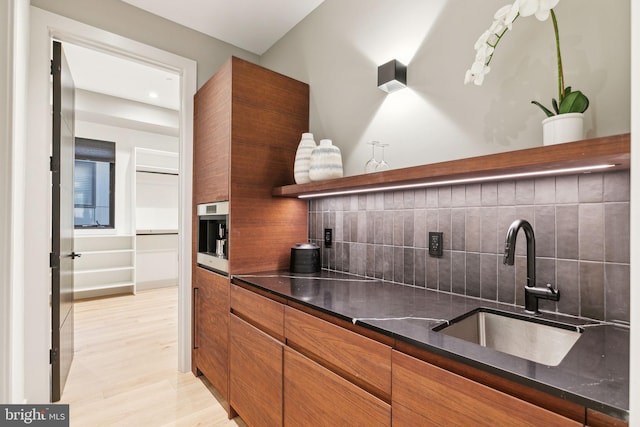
305	258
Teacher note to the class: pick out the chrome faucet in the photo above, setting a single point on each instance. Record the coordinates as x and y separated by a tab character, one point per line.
531	292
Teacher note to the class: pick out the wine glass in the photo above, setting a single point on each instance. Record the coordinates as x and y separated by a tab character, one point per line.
372	164
382	165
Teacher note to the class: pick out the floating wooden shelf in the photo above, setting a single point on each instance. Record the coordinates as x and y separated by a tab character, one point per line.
613	150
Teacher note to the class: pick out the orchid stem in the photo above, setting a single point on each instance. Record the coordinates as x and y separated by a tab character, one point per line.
560	72
498	38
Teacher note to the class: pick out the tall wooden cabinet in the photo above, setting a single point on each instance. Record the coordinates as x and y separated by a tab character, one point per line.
247	125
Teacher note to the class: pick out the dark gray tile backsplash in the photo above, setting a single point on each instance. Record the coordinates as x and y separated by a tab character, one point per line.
581	223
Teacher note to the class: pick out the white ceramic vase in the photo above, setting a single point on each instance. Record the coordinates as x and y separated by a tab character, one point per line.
303	158
326	162
563	128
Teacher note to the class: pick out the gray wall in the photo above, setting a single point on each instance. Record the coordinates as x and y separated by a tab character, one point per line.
128	21
581	224
338	47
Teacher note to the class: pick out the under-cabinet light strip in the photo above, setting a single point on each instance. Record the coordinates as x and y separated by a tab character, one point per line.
458	181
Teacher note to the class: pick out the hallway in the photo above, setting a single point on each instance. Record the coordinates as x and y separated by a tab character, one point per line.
124	371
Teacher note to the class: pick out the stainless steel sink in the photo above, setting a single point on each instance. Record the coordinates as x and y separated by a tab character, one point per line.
533	339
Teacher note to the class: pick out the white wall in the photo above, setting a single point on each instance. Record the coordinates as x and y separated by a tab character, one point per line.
14	39
339	46
126	142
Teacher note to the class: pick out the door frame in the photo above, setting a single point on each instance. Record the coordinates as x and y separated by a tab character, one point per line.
46	26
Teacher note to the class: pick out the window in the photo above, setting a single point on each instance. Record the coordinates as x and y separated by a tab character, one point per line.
94	183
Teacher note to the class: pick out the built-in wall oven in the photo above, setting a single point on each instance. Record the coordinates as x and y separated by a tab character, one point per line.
213	236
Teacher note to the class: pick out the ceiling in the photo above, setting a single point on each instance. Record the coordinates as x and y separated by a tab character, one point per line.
104	73
254	25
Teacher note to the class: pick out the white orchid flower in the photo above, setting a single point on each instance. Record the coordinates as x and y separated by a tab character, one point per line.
483	54
540	8
503	22
476	73
568	101
497	27
482	40
506	15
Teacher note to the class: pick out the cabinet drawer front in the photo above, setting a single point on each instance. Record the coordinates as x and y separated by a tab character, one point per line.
316	396
258	310
255	361
440	397
362	360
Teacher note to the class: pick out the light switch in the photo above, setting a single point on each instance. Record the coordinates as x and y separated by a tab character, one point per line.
435	243
328	237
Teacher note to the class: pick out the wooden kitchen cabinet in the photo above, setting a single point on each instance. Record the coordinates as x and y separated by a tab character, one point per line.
210	328
255	367
361	360
424	394
316	396
597	419
248	122
321	370
264	313
255	357
211	139
333	376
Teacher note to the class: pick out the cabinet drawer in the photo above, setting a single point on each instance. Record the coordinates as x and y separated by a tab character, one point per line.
597	419
424	393
262	312
316	396
361	360
255	360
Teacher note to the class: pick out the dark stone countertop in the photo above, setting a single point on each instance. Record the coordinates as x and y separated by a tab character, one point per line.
595	372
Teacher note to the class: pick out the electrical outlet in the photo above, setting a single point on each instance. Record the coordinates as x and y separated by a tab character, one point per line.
435	243
328	237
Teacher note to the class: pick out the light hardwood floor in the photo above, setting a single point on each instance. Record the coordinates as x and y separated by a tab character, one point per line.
124	371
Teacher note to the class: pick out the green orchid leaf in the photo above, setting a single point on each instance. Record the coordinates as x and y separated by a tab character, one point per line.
555	105
574	102
548	112
567	91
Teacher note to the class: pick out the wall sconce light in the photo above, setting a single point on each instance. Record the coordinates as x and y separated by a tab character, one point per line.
392	76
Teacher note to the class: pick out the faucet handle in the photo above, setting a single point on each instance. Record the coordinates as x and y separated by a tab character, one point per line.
554	293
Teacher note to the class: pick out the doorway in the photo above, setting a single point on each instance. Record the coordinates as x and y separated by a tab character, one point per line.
45	27
133	109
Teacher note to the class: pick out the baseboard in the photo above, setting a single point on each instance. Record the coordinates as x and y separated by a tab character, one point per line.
154	284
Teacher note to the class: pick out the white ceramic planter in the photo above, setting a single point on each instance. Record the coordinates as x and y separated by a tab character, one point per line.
563	128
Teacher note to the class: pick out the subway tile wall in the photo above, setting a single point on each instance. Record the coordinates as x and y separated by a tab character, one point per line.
581	224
